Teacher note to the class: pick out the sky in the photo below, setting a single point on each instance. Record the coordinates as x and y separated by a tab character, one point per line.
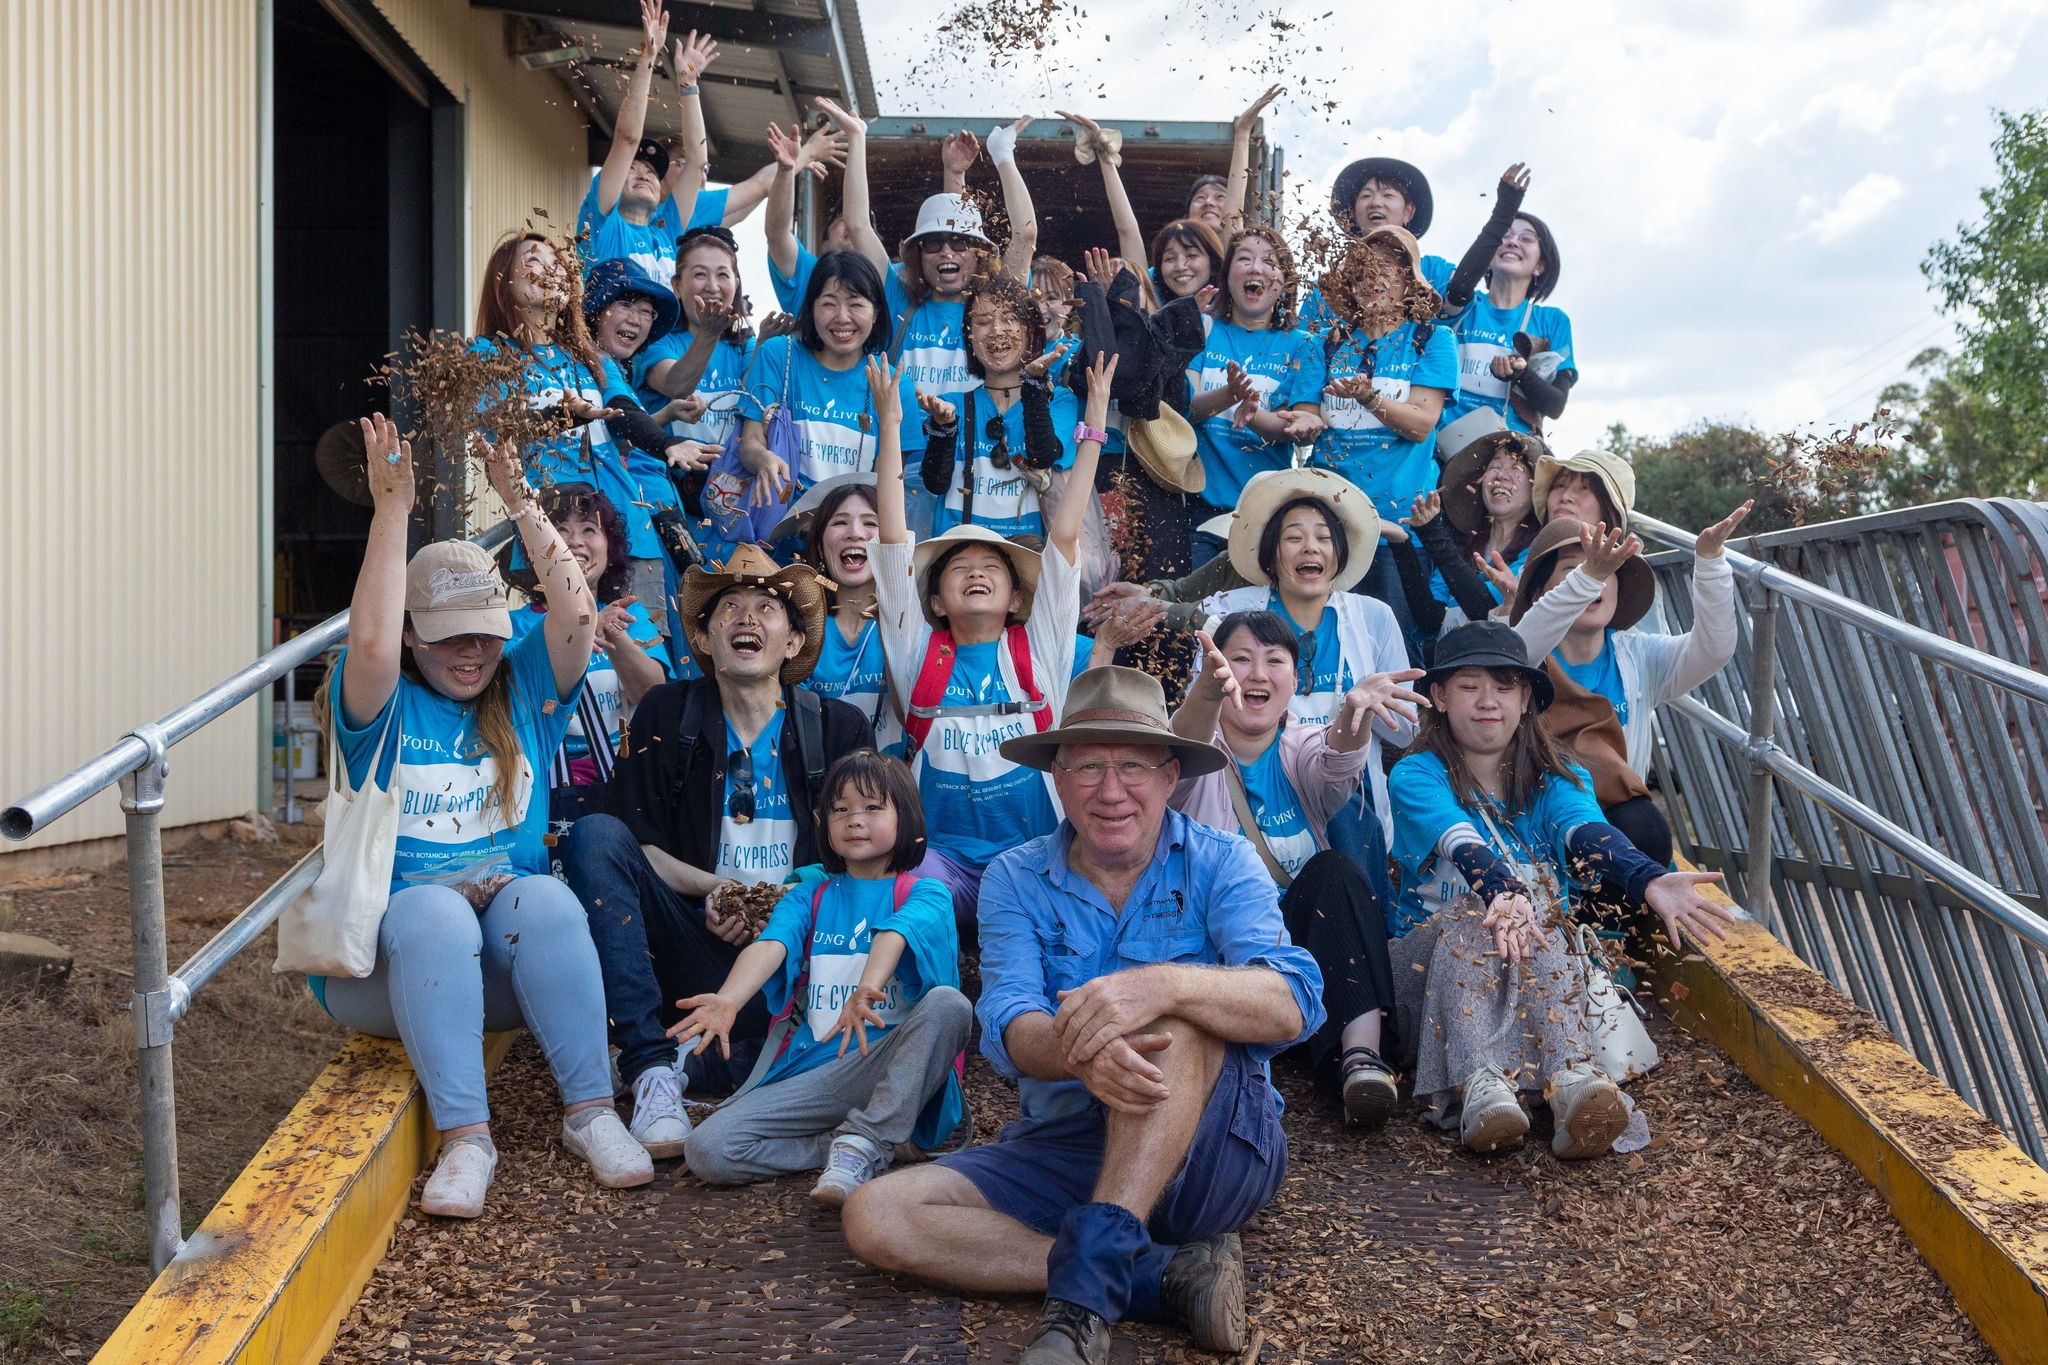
1742	193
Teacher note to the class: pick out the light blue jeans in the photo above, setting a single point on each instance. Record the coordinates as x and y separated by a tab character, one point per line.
446	975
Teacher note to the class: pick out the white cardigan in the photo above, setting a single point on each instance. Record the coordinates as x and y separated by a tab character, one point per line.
1654	668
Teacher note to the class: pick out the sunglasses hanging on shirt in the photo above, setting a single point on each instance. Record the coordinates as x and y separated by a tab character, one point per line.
740	805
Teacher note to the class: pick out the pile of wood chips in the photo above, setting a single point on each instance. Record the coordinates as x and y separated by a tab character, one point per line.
753	904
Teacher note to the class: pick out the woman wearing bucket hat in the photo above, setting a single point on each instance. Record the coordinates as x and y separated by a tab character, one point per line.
1476	528
1592	486
1283	785
1494	826
430	704
979	636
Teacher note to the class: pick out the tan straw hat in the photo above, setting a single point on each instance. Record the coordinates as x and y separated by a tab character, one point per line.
1023	562
1114	706
1166	447
1635	586
452	588
1614	472
1266	493
750	567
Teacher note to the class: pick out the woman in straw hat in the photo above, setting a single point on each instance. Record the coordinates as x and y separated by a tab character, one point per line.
1495	827
429	703
1593	486
979	636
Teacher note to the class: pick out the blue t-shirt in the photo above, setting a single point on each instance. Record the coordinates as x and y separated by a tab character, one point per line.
854	672
833	410
1392	471
850	913
451	828
789	289
761	849
1316	314
721	385
602	679
1004	500
1285	367
1329	674
709	210
976	802
932	343
1426	807
1276	806
1485	332
650	245
1602	677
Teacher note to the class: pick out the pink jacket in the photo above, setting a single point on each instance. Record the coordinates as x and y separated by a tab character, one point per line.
1322	777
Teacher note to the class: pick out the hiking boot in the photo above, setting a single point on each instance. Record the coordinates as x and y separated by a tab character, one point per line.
660	1124
1369	1089
462	1175
1068	1334
1590	1112
1203	1291
852	1163
1493	1117
599	1138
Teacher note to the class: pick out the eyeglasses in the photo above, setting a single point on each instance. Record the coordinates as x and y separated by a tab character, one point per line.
946	241
999	443
740	763
1093	773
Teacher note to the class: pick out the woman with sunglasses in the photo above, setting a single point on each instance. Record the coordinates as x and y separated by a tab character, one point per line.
1003	438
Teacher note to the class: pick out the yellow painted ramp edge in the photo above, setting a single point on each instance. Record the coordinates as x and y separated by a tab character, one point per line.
280	1259
1974	1204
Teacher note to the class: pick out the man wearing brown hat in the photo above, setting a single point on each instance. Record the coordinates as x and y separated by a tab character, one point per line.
1136	978
715	790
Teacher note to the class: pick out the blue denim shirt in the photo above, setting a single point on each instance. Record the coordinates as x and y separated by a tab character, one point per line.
1206	898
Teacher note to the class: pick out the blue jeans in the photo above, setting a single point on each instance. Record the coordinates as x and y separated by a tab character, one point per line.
1203	547
654	949
1043	1174
446	975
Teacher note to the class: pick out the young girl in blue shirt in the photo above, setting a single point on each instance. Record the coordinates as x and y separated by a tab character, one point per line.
430	702
860	965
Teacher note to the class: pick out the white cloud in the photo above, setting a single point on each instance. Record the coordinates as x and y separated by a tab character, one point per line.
1861	203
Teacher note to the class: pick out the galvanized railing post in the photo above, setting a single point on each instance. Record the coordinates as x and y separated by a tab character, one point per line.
1763	714
142	801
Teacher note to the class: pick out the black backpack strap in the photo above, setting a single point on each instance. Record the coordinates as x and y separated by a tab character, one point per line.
809	711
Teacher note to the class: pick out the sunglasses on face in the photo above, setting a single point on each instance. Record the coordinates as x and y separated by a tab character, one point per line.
999	443
947	241
740	806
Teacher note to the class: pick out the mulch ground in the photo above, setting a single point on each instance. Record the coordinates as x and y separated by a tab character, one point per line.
1738	1235
73	1258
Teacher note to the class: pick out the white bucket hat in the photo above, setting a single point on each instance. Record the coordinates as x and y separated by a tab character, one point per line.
949	213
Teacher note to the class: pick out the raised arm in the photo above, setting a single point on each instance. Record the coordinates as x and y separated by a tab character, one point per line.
376	621
1238	185
632	123
1002	149
854	203
892	523
956	155
1478	258
1213	681
1063	532
824	148
692	55
1130	239
561	578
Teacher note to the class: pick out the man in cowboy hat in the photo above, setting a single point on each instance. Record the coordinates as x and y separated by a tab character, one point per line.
716	790
1136	978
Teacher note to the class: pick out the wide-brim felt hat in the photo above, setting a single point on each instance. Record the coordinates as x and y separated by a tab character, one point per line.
1165	446
1635	586
801	512
750	567
1344	193
1614	472
1464	502
1024	562
1266	493
1114	706
1488	644
613	279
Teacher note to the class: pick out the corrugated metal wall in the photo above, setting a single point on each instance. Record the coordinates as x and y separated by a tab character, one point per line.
128	388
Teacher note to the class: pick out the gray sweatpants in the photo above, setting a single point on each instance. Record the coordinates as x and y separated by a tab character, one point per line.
789	1125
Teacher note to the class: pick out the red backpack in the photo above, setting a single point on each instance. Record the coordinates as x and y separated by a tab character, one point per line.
924	705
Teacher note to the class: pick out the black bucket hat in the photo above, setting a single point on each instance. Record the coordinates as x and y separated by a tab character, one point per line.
1488	644
1412	181
656	155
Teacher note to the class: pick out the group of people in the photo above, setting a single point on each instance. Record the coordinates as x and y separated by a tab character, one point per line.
801	657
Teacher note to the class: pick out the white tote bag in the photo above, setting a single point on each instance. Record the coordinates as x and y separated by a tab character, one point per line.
331	930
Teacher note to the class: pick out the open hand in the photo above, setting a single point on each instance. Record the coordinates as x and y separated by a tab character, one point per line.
1102	267
710	1016
1101	375
389	464
1301	426
1516	175
1676	899
775	325
615	622
507	474
1052	356
1217	678
714	315
1108	598
693	55
1606	550
772	484
1249	119
693	454
1424	511
941	413
731	928
1714	539
653	29
856	1017
1385	697
1130	622
959	151
786	148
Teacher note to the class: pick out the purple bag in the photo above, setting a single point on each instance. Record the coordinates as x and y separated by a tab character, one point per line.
729	487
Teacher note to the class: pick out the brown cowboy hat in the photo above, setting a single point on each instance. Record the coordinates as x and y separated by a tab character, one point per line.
750	567
1635	584
1024	562
1464	504
1114	706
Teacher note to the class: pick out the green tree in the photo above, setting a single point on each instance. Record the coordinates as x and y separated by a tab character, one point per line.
1694	477
1955	443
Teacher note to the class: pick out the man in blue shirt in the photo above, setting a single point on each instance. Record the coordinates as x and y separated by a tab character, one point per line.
1136	979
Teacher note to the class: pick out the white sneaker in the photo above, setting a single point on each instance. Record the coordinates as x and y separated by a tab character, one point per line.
853	1162
462	1175
600	1139
660	1123
1590	1112
1493	1117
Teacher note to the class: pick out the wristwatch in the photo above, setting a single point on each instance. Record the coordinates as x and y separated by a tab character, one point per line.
1084	432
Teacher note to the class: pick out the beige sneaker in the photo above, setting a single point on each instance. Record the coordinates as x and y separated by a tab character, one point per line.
1589	1109
615	1156
1492	1117
461	1178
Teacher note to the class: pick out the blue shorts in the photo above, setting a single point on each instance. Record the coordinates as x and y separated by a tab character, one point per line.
1039	1169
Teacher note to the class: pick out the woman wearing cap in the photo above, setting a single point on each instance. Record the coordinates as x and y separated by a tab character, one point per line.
837	519
979	636
1514	351
1582	592
1282	787
627	658
1493	825
430	703
1011	431
630	212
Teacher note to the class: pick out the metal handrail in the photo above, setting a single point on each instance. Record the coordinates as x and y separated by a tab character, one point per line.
140	763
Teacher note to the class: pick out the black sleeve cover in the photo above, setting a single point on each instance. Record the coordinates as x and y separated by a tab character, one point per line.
1507	202
1546	395
1422	603
1468	589
1042	448
1487	873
